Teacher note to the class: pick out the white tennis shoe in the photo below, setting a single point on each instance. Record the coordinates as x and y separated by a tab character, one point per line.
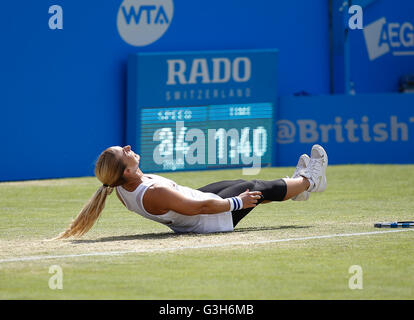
316	169
302	164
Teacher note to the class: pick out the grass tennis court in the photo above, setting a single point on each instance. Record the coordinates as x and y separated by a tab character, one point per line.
250	263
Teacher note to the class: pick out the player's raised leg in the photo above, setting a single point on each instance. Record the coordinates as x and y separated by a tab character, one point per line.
302	164
296	186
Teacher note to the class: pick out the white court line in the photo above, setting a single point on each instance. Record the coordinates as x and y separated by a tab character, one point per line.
203	246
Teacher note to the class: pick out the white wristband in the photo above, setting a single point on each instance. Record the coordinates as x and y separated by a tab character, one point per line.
236	203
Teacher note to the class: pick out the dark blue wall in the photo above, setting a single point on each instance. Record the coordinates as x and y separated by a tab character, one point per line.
63	92
365	128
377	73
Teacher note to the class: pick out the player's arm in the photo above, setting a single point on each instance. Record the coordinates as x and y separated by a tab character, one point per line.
160	199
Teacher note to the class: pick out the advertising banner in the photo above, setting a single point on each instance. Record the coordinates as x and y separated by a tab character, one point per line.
197	110
377	128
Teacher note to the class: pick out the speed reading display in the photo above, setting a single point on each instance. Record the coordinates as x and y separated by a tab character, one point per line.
206	137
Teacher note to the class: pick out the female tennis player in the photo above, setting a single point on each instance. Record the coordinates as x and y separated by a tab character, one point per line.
217	207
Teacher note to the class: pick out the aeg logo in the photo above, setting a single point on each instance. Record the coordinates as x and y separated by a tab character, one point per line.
382	38
141	22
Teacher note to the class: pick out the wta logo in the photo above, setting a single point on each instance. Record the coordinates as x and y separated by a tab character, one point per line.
142	22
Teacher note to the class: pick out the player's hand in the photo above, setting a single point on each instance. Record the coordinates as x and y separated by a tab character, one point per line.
250	198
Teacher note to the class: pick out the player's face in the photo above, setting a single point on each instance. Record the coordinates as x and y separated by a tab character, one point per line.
127	156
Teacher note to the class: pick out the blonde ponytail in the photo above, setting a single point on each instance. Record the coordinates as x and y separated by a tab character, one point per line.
88	215
109	170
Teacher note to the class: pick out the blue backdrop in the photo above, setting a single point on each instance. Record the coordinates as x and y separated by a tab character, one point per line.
63	92
380	53
366	128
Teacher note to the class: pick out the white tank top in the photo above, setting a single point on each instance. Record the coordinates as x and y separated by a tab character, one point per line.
200	223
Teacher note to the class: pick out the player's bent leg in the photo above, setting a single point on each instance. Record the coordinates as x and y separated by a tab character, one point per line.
295	186
217	187
234	189
272	190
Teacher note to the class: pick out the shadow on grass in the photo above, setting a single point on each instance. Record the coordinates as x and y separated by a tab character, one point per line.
172	235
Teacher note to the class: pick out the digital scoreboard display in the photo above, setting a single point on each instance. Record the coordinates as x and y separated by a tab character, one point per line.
202	110
206	137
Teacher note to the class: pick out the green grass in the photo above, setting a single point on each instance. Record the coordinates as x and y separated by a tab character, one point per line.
356	197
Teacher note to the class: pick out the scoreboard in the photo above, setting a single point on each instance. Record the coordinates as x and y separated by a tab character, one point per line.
205	137
207	125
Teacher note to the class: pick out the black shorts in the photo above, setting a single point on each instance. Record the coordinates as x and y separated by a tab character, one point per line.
272	190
